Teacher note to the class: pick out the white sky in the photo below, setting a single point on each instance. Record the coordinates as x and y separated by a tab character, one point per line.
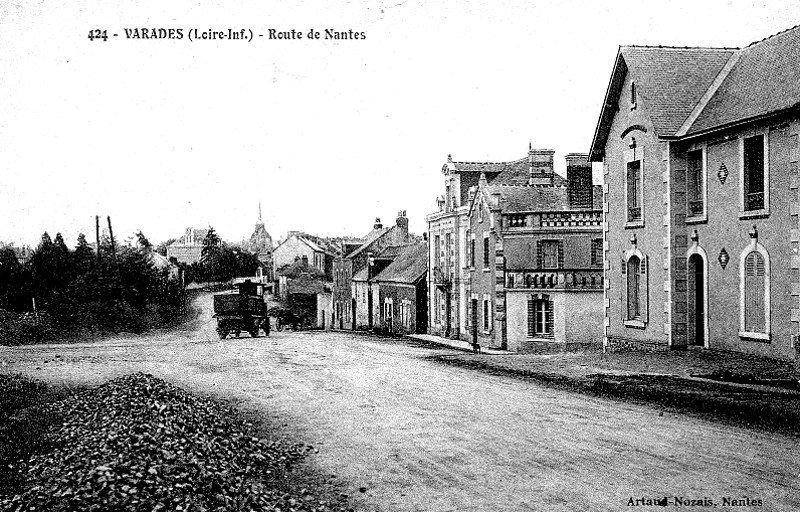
161	135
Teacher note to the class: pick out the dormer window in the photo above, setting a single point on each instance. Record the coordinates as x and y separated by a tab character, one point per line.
633	95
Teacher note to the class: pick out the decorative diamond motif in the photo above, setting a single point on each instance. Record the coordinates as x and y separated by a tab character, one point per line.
722	174
723	258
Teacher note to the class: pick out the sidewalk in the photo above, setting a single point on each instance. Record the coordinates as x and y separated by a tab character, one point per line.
741	389
456	344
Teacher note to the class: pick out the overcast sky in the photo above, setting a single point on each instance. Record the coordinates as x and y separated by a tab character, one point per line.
161	134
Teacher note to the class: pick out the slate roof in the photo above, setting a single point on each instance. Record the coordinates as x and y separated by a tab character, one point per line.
369	239
765	79
361	275
670	82
410	265
687	91
516	172
392	251
538	199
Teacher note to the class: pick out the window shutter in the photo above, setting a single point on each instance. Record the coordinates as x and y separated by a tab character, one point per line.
644	296
538	254
623	290
560	254
549	317
531	317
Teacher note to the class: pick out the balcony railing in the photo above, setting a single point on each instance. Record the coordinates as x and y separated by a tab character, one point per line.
754	201
634	214
442	277
556	279
568	219
696	207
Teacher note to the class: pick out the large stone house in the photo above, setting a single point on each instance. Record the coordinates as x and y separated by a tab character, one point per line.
534	260
701	234
189	247
447	232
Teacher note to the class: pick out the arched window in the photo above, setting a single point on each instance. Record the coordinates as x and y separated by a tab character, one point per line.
634	288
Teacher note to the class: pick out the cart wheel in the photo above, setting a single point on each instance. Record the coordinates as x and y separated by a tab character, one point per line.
278	325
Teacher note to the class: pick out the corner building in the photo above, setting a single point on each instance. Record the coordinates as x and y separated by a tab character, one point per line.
700	162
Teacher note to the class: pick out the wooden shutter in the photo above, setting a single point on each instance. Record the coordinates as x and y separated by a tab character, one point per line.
644	288
531	317
560	254
548	316
623	289
539	256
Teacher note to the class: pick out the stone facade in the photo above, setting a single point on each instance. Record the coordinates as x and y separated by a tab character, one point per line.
703	199
534	257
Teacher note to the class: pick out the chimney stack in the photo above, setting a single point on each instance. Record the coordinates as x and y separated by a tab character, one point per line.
579	180
377	224
402	225
541	166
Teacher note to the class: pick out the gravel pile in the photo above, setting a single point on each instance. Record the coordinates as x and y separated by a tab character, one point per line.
139	443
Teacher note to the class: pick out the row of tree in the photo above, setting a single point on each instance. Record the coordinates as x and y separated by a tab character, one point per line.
115	288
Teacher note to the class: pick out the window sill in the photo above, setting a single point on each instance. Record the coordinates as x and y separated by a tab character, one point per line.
541	337
486	269
635	324
697	219
487	332
754	214
755	336
634	224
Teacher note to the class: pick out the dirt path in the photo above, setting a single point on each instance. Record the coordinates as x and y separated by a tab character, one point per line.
422	436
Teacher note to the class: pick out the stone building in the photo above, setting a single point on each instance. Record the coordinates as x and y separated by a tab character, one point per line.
700	161
189	247
298	245
447	231
348	265
534	262
400	294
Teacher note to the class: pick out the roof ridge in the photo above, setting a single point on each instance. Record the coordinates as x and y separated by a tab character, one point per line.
506	162
668	47
709	94
773	35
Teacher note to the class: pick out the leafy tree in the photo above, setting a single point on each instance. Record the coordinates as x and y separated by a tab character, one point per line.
142	241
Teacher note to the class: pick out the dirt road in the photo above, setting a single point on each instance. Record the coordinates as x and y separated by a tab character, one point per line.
425	437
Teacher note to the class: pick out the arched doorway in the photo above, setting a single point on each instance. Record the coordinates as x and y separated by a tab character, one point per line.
697	301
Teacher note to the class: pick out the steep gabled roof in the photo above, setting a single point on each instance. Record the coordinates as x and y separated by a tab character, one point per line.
670	82
687	91
765	80
410	265
371	237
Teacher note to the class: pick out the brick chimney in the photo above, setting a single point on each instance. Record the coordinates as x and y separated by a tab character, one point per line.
402	225
541	166
579	180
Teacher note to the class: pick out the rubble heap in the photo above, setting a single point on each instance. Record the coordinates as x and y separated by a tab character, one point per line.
139	443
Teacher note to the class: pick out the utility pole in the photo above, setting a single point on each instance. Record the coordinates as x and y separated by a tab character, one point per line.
111	234
97	233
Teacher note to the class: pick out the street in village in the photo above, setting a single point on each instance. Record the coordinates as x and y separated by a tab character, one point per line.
418	435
